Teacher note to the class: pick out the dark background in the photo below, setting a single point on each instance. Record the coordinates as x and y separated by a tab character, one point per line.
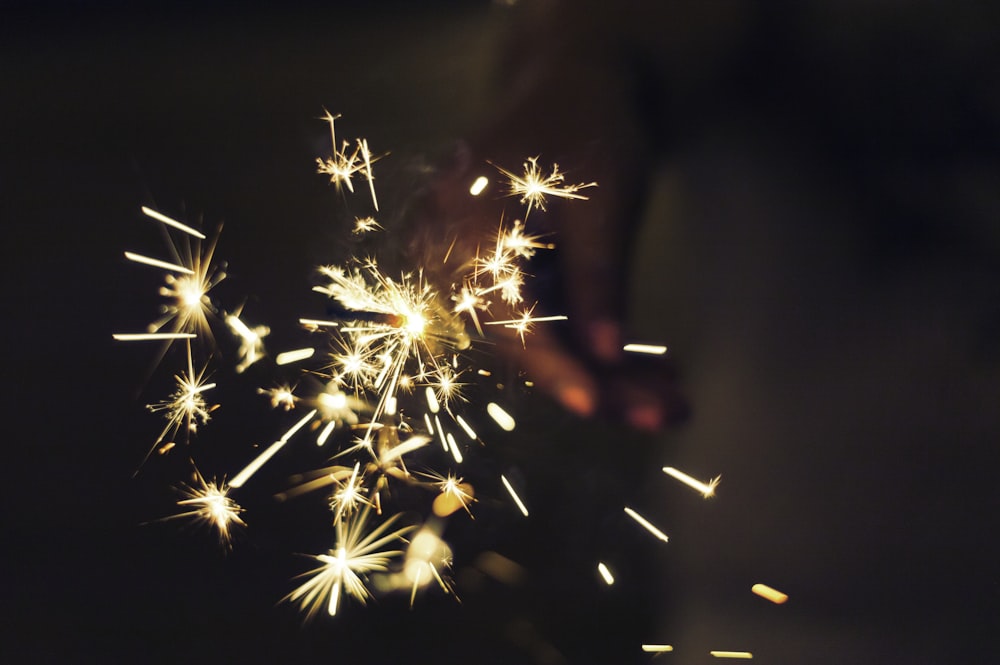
825	266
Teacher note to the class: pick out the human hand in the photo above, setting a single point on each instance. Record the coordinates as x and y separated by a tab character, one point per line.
579	362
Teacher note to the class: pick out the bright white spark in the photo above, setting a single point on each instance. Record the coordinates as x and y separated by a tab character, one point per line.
319	323
707	489
746	655
609	579
364	225
134	337
648	349
261	459
523	324
478	185
210	504
348	496
342	166
289	357
646	524
657	648
501	417
465	426
157	263
186	407
533	187
343	568
169	221
513	495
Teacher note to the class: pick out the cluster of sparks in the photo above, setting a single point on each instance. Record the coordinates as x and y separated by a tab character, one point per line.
389	381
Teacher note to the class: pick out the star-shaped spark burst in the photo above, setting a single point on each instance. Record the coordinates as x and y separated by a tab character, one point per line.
186	407
533	186
209	504
189	277
364	225
343	569
342	166
349	495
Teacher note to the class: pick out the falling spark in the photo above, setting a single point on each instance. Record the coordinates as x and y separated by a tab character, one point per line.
707	489
647	349
732	654
319	323
432	401
465	426
513	495
479	185
501	417
769	593
298	355
169	221
261	459
139	337
657	648
605	573
646	524
157	263
342	569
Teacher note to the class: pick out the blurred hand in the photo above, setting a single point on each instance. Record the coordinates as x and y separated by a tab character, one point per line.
579	362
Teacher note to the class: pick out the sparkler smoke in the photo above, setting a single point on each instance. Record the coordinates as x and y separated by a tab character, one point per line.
390	388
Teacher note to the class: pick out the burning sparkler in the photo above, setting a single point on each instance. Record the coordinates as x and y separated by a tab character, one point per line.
391	376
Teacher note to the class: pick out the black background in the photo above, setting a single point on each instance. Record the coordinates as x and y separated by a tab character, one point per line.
839	338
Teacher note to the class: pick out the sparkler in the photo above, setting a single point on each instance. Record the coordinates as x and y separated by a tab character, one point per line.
394	373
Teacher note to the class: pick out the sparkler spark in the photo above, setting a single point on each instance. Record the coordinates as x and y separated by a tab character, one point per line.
533	186
769	593
647	349
646	524
188	279
513	495
707	489
356	554
342	166
186	407
251	341
210	504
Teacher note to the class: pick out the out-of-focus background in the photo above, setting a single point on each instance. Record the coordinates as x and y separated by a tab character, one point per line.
822	256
